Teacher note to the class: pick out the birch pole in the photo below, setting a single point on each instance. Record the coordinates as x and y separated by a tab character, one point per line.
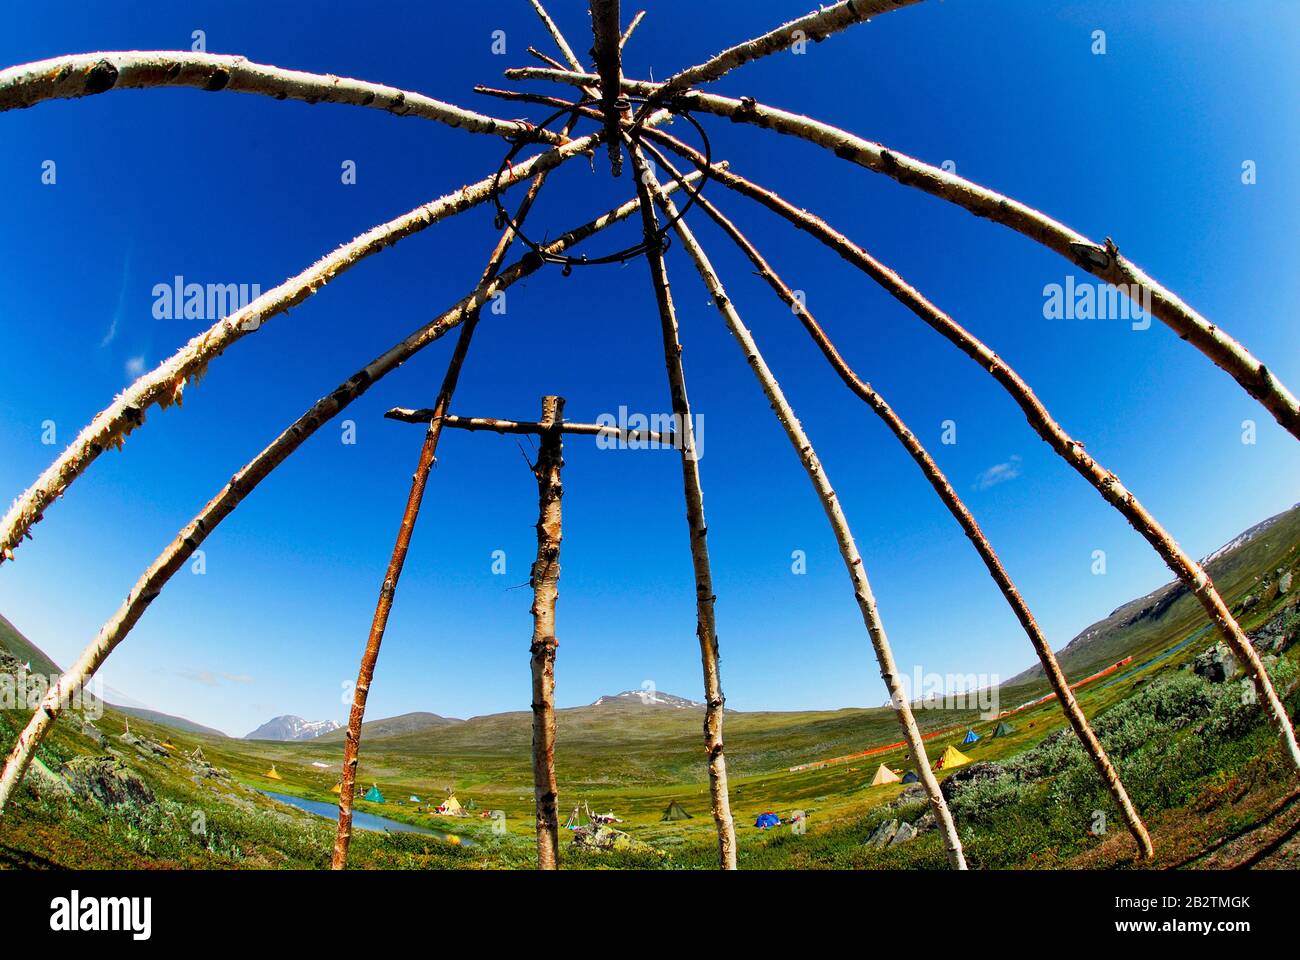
545	583
815	26
151	583
839	525
419	482
1102	260
505	427
88	74
706	630
631	29
557	35
165	384
1074	714
1106	482
606	54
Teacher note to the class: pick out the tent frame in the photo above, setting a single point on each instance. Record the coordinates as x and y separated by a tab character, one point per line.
93	74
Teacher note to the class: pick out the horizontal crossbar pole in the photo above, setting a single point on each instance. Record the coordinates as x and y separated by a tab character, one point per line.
423	416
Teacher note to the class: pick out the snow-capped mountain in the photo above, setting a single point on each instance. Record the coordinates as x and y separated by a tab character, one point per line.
293	728
647	698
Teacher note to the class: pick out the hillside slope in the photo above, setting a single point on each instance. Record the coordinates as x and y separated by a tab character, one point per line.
1240	568
26	651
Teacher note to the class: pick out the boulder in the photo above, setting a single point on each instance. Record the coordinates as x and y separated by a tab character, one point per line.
1276	635
595	836
1284	583
904	833
1217	664
108	780
926	822
912	793
883	834
965	776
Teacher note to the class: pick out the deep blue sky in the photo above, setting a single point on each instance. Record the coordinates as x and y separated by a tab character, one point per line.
1144	144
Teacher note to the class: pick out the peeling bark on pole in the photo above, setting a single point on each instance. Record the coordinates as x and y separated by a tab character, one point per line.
698	529
545	583
839	525
155	578
1051	667
165	383
1103	260
87	74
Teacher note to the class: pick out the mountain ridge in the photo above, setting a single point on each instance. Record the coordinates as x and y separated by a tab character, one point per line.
1242	565
1259	547
290	727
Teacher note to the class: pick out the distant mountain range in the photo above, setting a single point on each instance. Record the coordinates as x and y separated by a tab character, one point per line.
393	726
415	722
1244	568
289	727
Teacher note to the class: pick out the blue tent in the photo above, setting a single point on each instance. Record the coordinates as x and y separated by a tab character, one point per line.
971	736
911	777
373	794
767	820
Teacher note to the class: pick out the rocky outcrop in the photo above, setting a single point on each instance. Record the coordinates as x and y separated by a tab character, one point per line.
883	834
107	780
604	839
904	833
912	793
975	773
1216	664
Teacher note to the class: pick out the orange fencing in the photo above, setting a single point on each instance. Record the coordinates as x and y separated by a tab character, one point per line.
818	764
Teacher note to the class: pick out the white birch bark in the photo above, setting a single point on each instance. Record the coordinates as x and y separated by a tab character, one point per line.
87	74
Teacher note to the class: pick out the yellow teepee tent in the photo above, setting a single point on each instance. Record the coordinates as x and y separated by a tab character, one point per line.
272	775
884	775
337	788
952	757
451	807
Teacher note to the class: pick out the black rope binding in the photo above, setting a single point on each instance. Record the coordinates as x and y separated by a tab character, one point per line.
660	238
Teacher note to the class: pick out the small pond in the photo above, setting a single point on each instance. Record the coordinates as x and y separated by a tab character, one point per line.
360	820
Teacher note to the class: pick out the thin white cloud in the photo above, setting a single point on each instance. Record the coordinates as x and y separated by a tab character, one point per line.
999	473
135	366
111	335
210	679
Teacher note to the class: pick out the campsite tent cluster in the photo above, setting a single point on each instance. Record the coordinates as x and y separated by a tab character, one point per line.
451	807
950	758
